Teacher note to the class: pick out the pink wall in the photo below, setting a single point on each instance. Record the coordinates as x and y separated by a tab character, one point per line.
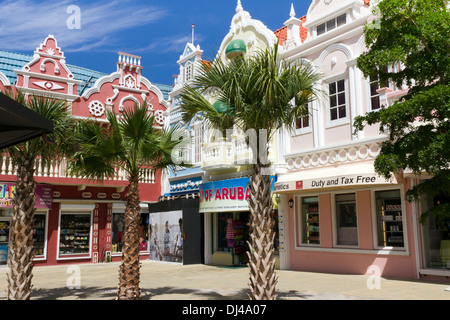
324	259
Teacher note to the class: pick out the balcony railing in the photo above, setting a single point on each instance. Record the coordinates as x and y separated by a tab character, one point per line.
58	169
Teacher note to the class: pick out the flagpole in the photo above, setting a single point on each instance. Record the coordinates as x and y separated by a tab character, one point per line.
192	34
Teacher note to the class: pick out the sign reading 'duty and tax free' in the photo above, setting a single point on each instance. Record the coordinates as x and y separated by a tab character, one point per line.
331	182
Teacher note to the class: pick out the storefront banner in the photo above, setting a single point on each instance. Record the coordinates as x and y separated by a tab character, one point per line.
224	195
43	197
165	239
331	182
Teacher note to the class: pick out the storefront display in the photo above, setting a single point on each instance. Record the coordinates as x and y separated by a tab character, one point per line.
39	237
347	231
117	232
4	239
310	220
436	237
389	218
75	234
233	234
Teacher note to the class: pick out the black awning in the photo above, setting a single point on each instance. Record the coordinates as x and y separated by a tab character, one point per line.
19	124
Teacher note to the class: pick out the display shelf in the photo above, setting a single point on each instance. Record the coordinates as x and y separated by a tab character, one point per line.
75	235
311	227
390	222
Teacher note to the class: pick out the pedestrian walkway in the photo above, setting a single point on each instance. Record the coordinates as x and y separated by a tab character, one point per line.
170	281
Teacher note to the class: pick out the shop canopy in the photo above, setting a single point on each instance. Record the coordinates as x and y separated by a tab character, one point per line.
19	124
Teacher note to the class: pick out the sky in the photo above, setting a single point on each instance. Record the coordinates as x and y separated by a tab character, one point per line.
91	33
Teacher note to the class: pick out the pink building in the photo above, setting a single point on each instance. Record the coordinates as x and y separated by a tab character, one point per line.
76	220
336	214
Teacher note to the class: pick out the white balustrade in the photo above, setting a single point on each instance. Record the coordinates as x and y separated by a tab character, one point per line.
57	168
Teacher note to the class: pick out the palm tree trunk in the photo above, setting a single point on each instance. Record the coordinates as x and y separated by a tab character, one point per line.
20	255
129	272
261	245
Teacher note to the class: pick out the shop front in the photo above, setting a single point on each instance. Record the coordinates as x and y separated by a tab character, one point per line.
355	222
43	203
224	204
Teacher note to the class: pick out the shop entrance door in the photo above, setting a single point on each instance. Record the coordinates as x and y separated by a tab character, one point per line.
193	234
4	240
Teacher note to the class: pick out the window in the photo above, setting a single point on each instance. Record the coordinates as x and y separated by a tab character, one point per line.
389	218
347	231
336	94
198	136
309	220
374	96
75	233
332	24
303	121
39	237
117	232
187	72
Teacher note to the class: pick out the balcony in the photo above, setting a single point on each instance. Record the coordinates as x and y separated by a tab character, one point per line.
56	171
226	155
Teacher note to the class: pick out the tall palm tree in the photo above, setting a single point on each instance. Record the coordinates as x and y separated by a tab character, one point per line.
56	145
262	92
130	143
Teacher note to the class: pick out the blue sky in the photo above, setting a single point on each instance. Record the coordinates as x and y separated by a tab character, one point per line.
155	30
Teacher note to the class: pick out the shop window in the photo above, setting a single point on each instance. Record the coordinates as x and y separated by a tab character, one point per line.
347	231
5	218
118	229
436	236
39	237
75	233
337	100
309	220
233	234
389	218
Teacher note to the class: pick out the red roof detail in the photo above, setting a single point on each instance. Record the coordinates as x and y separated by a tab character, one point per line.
281	33
367	2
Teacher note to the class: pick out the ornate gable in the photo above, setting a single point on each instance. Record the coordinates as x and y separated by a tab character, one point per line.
47	73
122	89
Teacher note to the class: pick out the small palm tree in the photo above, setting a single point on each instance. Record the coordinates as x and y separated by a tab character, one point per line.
130	144
56	145
262	92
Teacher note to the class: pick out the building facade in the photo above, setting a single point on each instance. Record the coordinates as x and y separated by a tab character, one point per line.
334	213
77	220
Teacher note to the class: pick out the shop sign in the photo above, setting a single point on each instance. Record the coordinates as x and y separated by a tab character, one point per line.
43	196
224	195
331	182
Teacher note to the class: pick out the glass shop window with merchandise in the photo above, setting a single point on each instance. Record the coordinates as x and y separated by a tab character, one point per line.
118	229
75	233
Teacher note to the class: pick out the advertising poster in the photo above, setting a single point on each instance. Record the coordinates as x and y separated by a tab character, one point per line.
43	200
165	239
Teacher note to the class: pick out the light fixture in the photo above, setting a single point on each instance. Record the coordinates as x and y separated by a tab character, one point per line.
291	203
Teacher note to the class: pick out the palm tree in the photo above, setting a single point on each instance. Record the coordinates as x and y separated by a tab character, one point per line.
262	92
130	144
56	145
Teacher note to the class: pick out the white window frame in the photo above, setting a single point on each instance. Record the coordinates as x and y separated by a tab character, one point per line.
75	209
308	129
44	255
346	119
298	222
335	222
325	23
375	221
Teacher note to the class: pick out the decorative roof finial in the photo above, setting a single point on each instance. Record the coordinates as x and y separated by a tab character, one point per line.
292	13
239	6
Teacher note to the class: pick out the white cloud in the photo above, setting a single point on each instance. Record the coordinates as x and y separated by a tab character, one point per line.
24	24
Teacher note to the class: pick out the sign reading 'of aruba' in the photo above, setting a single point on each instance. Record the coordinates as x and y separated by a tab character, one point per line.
224	196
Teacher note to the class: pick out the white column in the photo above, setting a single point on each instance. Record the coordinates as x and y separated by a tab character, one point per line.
283	231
